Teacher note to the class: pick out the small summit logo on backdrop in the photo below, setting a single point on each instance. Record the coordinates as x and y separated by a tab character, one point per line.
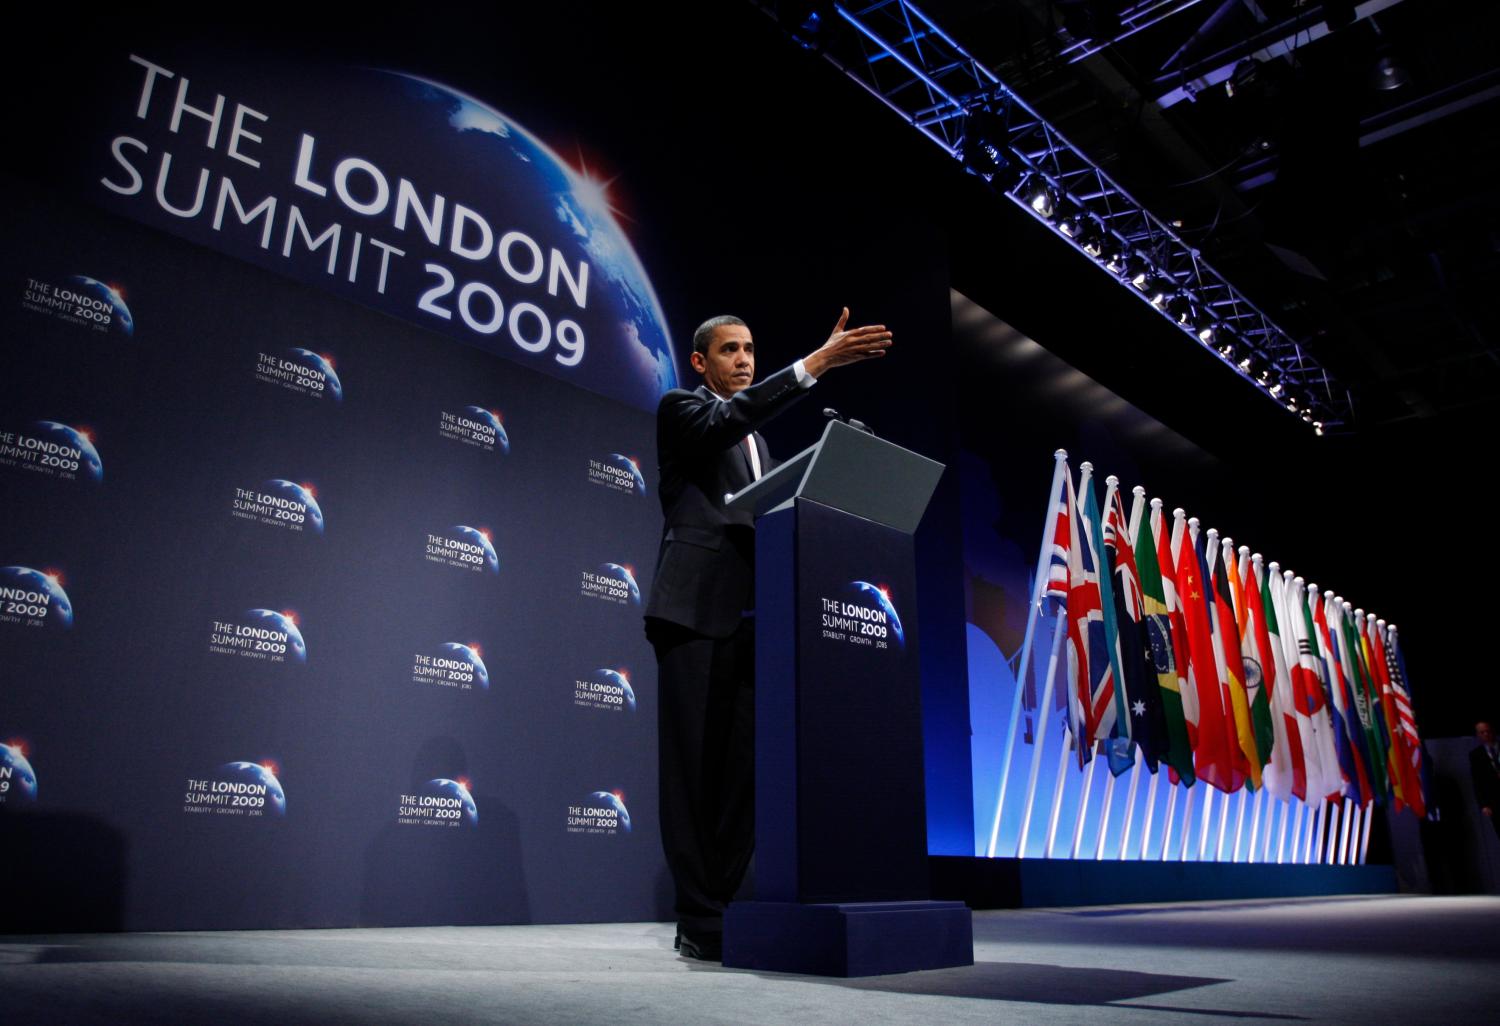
451	665
612	582
282	504
53	449
262	634
302	371
863	615
81	300
248	789
439	803
463	547
603	812
34	598
619	473
605	689
17	778
476	426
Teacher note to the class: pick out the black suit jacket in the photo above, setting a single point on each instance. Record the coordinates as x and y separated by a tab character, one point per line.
1486	780
705	569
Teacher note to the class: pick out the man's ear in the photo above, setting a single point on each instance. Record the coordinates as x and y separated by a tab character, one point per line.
699	362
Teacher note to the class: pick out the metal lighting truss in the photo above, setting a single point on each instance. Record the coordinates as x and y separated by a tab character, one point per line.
904	58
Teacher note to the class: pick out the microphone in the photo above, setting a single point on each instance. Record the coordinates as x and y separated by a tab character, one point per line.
858	425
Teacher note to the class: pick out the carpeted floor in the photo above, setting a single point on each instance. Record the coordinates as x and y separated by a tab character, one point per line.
1344	960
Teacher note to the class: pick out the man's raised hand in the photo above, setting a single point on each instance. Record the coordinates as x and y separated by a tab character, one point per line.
844	347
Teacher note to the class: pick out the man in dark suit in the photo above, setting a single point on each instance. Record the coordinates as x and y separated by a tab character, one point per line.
1484	767
698	617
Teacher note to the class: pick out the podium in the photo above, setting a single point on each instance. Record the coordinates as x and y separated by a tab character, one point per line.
841	871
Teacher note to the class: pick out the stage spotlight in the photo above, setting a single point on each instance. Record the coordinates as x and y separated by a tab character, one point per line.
1137	272
1118	261
981	147
1038	195
1207	333
1387	74
1181	308
1227	345
1318	428
1091	238
1156	289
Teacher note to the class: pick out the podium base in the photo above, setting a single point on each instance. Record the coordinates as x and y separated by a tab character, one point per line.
857	938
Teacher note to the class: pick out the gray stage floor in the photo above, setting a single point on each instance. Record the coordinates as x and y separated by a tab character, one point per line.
1344	960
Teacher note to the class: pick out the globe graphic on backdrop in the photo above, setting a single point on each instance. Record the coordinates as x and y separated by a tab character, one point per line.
623	574
89	463
610	800
255	774
629	465
445	788
296	648
628	350
465	654
284	489
615	677
48	586
480	538
22	778
112	300
479	413
320	363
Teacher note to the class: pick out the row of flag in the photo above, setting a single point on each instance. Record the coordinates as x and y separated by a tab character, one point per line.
1218	664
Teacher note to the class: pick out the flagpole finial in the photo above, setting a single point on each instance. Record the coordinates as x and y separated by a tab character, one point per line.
1193	522
1229	543
1244	550
1299	582
1360	613
1179	513
1156	504
1348	606
1086	465
1275	567
1380	624
1139	490
1312	589
1112	481
1213	532
1060	454
1256	557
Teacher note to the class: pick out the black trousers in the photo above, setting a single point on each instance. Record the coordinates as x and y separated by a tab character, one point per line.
706	746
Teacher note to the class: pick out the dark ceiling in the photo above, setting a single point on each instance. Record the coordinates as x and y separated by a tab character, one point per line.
1362	219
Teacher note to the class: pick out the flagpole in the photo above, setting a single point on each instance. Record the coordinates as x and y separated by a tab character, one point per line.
1062	768
1187	818
1150	812
1314	832
1166	823
1049	535
1083	805
1349	810
1297	830
1286	815
1130	796
1265	844
1362	813
1364	840
1207	817
1239	828
1260	806
1109	794
1330	852
1223	829
1043	715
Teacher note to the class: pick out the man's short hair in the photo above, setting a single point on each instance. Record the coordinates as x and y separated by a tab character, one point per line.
705	333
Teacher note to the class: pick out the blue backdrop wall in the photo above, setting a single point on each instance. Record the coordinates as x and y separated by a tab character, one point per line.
327	458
